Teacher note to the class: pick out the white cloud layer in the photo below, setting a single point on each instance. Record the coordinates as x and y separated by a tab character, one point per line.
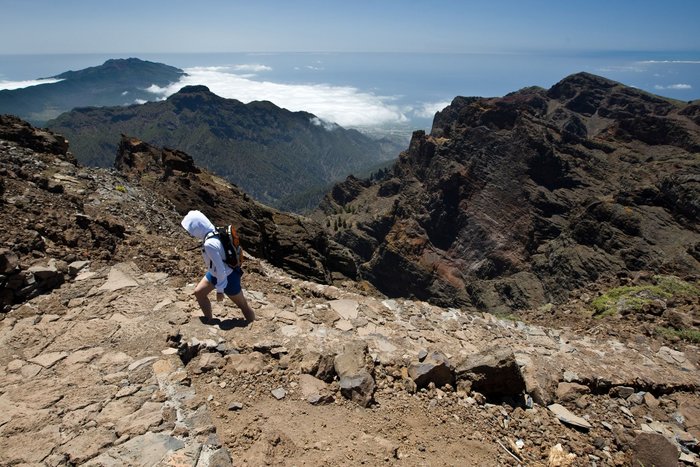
344	105
682	62
251	68
679	86
428	109
26	83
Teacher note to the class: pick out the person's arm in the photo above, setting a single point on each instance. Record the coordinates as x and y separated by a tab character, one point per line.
216	267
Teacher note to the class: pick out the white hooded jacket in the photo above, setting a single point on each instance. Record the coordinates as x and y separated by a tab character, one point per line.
213	253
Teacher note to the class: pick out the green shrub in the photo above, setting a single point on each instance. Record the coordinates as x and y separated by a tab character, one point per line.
120	188
633	298
690	335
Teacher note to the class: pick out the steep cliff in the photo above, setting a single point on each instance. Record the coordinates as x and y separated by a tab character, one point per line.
513	202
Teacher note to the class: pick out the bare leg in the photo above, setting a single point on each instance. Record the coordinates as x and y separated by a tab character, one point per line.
201	293
240	301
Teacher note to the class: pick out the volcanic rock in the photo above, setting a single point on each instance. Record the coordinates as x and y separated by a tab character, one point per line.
512	203
654	449
355	372
434	368
493	373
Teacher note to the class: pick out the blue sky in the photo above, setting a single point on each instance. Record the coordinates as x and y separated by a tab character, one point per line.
91	26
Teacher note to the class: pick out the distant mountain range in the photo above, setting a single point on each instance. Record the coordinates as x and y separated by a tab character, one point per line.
282	158
116	82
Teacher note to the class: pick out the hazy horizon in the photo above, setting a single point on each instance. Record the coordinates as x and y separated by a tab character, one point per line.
370	91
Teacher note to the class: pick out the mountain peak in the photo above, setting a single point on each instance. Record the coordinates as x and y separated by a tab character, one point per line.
117	82
195	89
578	82
585	168
133	68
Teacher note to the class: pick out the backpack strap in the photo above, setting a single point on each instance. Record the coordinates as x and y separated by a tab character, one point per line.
211	234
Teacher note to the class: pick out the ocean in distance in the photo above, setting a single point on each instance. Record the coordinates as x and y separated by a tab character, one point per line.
384	92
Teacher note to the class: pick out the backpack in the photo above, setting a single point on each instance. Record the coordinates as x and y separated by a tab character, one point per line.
228	237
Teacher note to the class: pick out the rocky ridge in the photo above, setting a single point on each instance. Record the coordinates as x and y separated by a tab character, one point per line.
281	158
328	374
512	203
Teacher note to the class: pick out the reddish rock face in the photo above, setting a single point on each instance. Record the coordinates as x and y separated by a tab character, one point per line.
514	202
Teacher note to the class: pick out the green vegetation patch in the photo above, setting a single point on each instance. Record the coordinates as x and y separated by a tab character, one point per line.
628	299
690	335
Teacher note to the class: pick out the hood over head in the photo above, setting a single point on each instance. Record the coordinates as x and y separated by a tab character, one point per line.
197	224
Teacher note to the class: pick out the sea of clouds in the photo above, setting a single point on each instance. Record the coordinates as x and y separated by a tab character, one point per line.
344	105
10	85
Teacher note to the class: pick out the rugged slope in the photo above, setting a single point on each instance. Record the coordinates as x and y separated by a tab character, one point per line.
113	367
289	241
514	202
115	82
53	206
272	153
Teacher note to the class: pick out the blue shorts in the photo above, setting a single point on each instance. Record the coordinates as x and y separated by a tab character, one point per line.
233	281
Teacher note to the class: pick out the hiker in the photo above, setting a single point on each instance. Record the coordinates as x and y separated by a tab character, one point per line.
219	276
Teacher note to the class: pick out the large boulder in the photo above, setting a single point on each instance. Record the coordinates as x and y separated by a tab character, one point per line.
493	373
355	368
654	449
435	368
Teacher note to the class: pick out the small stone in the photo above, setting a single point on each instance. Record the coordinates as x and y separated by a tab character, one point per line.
347	309
279	393
568	392
565	416
15	365
650	401
47	360
478	398
344	325
76	266
318	399
623	392
126	391
233	406
626	411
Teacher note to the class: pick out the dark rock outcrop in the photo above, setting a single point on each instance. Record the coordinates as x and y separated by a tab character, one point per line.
510	203
354	369
17	130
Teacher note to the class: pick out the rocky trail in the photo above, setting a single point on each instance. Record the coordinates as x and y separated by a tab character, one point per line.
115	368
